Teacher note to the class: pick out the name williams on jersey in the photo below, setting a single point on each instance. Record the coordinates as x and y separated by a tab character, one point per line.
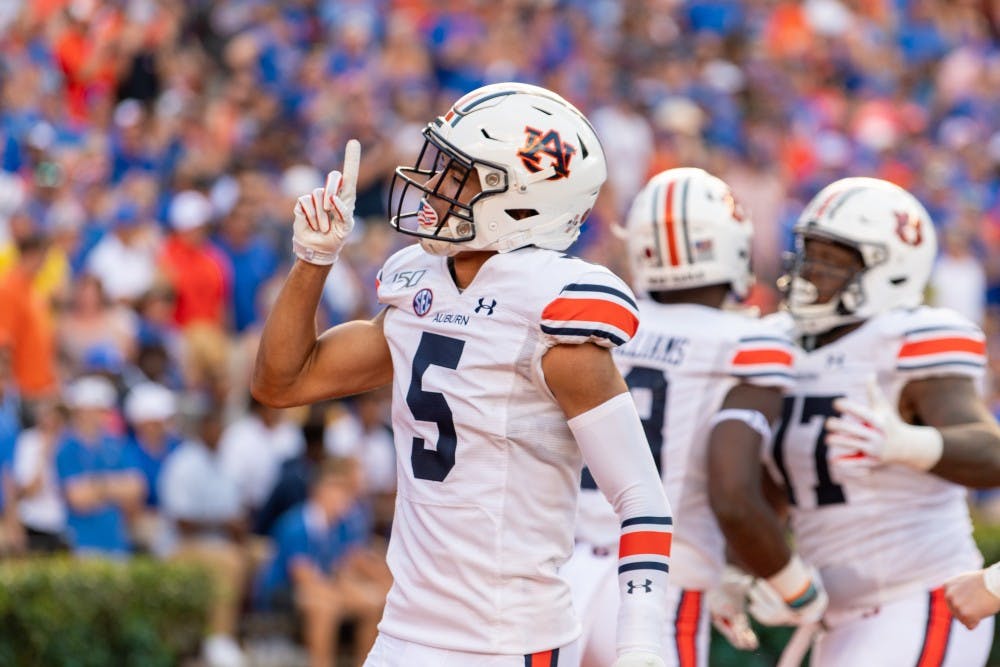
655	347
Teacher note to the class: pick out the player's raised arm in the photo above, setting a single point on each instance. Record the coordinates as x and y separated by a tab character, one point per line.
295	366
603	418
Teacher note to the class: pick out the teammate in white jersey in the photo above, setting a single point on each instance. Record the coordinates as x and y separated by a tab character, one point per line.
497	347
883	432
708	384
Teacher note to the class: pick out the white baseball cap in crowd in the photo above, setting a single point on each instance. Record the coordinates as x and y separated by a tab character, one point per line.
150	401
300	179
189	210
90	391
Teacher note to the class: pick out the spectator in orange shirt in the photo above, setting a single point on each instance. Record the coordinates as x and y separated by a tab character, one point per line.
201	278
26	322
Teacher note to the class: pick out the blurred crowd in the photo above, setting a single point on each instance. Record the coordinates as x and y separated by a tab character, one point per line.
151	151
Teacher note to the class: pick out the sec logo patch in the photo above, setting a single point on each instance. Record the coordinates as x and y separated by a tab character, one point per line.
422	301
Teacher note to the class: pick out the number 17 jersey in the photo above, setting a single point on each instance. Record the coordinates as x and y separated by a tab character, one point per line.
877	535
488	469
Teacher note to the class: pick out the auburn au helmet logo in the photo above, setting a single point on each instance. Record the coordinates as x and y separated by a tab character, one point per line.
908	228
549	145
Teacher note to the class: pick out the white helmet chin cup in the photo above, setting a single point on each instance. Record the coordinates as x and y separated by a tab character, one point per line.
538	161
685	229
811	317
440	248
891	231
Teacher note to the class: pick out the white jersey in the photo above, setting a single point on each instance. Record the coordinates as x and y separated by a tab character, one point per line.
877	536
488	469
679	367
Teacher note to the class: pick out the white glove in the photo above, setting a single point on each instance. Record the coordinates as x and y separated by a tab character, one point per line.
641	659
325	216
867	435
727	606
793	596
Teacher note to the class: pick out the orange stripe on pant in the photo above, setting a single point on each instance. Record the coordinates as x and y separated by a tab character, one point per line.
542	659
592	310
938	631
686	628
644	542
939	345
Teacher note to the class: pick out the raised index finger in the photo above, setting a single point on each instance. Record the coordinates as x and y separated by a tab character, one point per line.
352	160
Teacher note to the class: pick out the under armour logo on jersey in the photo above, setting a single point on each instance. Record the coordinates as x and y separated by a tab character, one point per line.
422	301
488	307
647	586
549	144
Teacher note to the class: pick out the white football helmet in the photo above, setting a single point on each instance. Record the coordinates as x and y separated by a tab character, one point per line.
892	232
539	163
685	229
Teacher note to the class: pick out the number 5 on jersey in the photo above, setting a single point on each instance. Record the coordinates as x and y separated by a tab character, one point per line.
431	406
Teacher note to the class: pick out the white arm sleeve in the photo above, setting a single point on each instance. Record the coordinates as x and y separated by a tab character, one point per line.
614	446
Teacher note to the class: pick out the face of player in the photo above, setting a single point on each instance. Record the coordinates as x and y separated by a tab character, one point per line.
829	266
452	181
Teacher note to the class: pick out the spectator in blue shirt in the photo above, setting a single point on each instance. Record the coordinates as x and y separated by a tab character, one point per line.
101	485
323	565
149	411
294	478
254	262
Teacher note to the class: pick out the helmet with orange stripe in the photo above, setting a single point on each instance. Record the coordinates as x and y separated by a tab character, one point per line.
509	165
863	246
685	229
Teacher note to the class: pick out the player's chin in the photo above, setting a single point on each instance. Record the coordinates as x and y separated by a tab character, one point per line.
440	248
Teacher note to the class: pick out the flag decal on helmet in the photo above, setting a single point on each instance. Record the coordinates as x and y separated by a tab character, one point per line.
704	250
550	144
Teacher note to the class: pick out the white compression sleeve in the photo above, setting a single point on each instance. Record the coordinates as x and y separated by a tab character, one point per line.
614	446
991	579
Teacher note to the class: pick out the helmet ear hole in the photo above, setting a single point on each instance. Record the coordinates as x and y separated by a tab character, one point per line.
521	213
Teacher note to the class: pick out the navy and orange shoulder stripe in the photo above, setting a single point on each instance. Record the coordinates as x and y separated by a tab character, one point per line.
934	346
591	310
756	356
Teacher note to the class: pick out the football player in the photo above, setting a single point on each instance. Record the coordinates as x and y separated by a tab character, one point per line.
883	431
708	385
497	345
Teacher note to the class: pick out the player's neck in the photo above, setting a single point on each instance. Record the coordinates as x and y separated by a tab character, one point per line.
464	266
827	337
